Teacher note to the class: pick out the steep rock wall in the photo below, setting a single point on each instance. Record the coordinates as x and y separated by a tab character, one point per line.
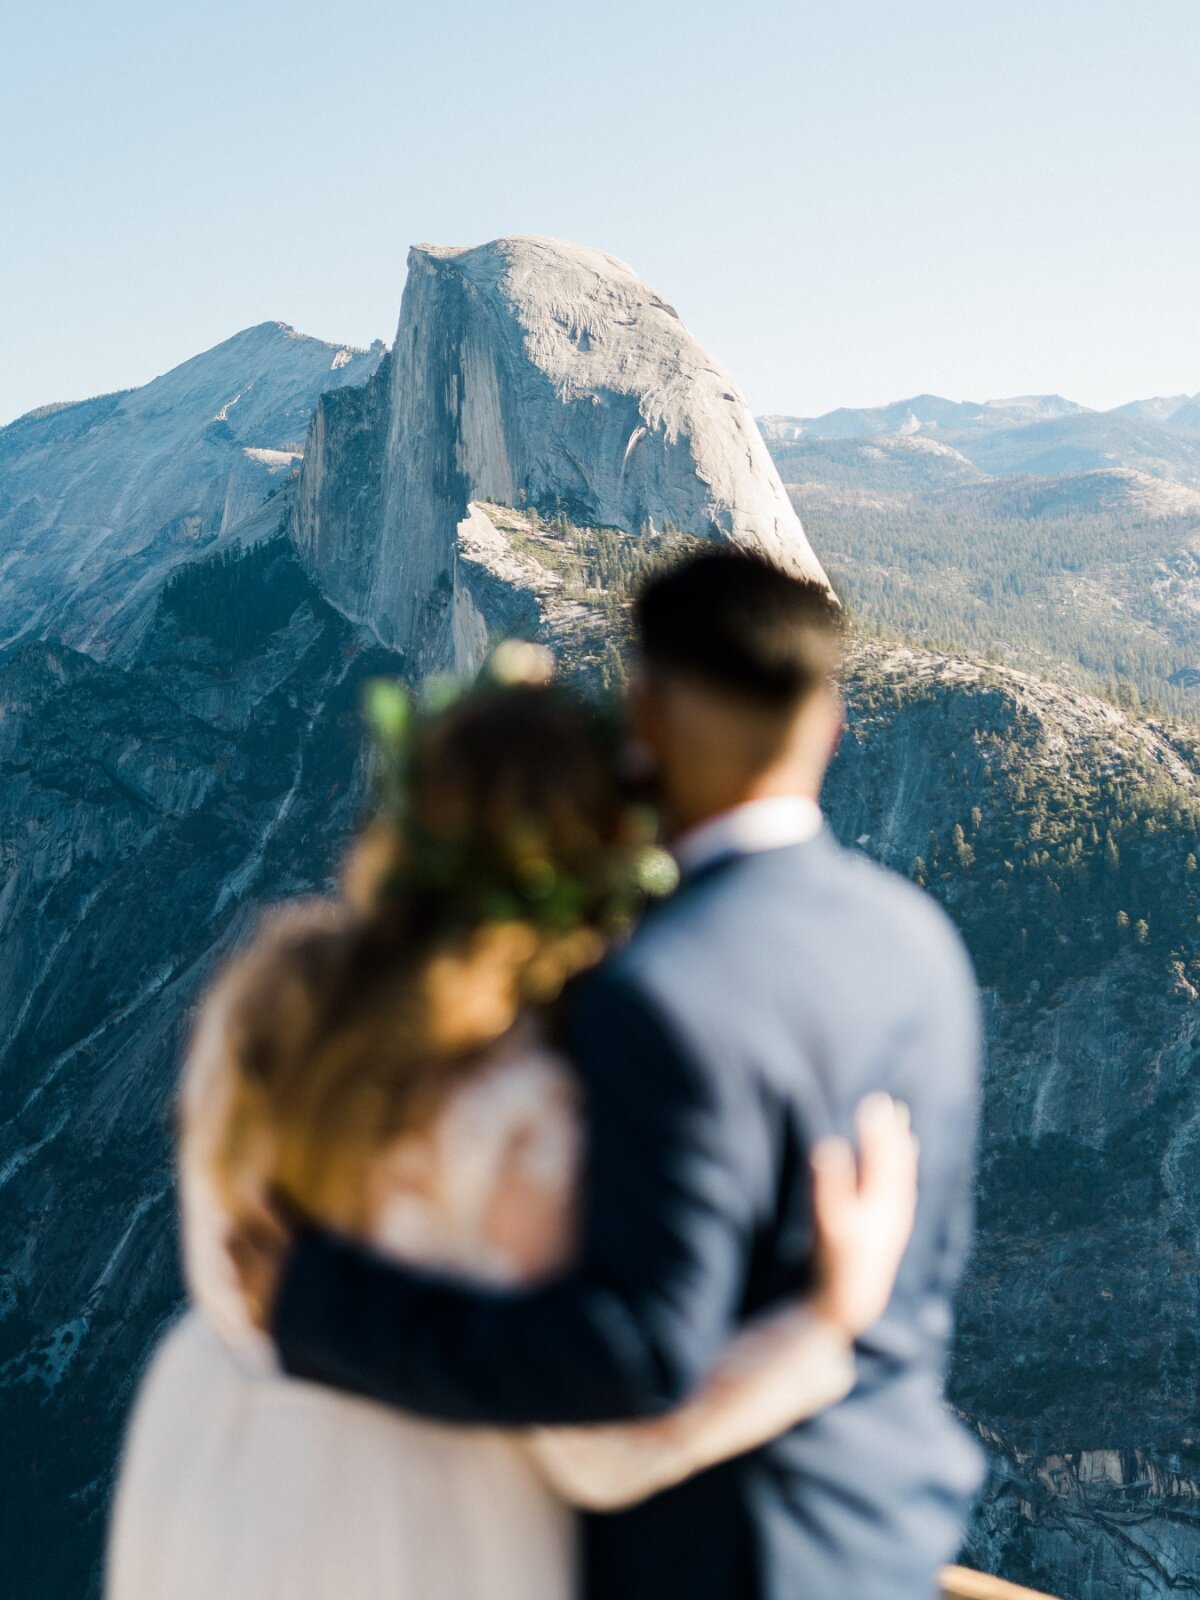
526	371
101	500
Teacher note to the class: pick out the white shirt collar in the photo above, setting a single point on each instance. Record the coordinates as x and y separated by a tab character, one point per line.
757	825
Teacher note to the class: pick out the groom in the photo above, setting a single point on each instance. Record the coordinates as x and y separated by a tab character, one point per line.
748	1016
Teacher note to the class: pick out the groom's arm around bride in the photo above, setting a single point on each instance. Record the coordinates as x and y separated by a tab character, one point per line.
786	979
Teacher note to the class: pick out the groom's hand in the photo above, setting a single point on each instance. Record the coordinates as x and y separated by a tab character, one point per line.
260	1246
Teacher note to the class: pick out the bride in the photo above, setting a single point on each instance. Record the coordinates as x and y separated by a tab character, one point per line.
384	1062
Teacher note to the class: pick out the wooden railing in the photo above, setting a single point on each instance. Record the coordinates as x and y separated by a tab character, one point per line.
960	1583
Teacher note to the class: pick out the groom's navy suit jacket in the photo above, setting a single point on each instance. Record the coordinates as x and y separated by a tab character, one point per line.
747	1017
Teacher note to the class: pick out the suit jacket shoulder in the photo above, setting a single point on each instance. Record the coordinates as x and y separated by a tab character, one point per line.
766	917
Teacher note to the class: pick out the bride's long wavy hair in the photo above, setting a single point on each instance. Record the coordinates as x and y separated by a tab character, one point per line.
498	869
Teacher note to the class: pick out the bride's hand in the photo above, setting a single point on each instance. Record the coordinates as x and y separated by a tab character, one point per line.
863	1211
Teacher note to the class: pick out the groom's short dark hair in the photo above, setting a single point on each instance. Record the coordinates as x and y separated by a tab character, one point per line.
738	624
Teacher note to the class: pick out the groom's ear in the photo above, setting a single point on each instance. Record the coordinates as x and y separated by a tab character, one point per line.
821	725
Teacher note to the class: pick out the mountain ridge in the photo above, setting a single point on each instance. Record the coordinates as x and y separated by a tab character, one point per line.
111	493
526	371
934	412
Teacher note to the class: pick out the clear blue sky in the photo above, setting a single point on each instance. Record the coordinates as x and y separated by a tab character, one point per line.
848	200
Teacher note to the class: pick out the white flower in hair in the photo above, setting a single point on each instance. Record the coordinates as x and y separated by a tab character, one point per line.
518	661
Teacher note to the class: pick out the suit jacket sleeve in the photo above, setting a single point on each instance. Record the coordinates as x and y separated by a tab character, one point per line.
961	1021
658	1282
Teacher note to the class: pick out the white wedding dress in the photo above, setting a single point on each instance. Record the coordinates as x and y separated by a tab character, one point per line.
241	1483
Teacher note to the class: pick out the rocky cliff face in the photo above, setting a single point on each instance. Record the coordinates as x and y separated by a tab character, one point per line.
146	811
536	373
100	500
1061	834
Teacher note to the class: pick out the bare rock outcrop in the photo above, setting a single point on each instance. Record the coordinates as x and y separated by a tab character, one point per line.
530	372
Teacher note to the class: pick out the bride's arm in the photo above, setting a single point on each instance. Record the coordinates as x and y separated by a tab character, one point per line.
782	1368
774	1374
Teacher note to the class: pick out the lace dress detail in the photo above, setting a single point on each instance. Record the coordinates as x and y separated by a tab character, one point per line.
511	1129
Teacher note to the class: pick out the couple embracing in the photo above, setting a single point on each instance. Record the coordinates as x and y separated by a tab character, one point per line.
541	1246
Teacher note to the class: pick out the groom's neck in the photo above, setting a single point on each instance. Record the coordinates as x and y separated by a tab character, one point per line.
712	767
717	751
693	810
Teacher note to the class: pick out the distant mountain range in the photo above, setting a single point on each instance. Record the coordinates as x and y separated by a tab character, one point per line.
930	413
1035	434
1031	531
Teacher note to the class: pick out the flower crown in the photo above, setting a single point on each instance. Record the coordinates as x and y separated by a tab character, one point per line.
520	881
